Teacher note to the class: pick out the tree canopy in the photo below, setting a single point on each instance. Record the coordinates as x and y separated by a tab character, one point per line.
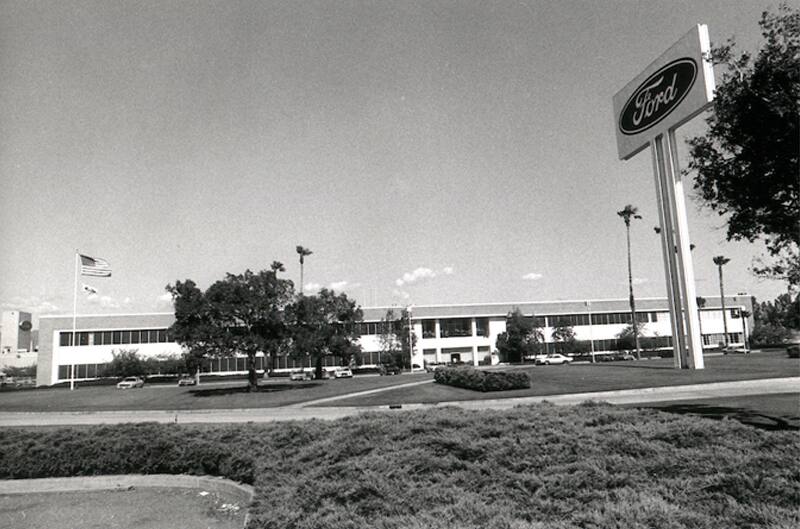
324	324
241	314
746	165
394	338
521	338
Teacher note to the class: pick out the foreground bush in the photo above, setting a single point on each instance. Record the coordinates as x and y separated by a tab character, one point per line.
535	467
470	378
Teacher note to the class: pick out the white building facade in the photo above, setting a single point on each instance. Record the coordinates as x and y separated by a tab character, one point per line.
443	333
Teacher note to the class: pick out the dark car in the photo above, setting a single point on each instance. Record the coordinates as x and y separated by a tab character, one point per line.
390	370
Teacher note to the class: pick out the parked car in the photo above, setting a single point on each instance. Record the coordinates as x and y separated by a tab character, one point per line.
554	358
390	370
735	349
534	358
187	381
301	375
130	382
343	372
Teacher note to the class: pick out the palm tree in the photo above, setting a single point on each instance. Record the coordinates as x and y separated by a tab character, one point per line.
701	302
303	252
627	214
721	261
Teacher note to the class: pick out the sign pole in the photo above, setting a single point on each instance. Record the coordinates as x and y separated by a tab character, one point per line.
668	254
684	253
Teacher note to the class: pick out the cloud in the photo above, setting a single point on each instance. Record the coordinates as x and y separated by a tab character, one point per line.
421	274
533	276
400	294
337	285
33	304
312	287
164	300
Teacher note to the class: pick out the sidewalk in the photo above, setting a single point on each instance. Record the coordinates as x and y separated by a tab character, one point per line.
303	412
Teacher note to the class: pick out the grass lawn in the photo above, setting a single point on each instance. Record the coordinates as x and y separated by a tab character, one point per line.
142	508
217	395
544	466
582	378
547	380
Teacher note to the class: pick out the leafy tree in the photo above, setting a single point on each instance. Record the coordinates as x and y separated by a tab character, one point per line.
628	213
630	336
324	325
394	339
747	163
564	336
774	321
18	372
521	338
240	315
125	363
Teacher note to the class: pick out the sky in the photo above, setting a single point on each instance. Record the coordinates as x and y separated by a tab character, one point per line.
426	152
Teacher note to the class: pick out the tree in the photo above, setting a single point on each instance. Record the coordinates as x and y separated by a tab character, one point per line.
564	335
240	315
324	325
303	253
746	165
628	213
701	302
125	363
721	261
395	336
775	321
521	338
630	336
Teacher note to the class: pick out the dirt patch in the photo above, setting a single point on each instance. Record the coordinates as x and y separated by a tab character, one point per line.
132	507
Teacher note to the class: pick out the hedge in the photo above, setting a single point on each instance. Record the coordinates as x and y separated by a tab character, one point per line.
471	378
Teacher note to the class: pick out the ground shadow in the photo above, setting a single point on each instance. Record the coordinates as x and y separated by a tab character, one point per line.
634	365
235	390
743	415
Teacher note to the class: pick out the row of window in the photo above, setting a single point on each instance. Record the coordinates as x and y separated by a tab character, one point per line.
115	337
452	327
715	339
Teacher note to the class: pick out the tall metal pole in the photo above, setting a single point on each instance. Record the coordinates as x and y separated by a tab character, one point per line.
591	334
668	254
74	321
684	253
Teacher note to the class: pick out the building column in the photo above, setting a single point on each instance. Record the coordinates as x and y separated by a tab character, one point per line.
437	335
474	334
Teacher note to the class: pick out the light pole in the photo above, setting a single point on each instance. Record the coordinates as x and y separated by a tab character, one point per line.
591	334
410	338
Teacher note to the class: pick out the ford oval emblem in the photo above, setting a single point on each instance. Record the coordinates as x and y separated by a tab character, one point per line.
657	96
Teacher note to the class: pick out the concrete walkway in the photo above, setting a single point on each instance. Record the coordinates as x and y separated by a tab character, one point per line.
305	411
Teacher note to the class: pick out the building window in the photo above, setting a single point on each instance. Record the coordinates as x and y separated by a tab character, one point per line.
482	326
455	327
429	328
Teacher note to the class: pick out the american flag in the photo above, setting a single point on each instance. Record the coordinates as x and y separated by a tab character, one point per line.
91	266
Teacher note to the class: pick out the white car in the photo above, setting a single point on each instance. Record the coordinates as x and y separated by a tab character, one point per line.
130	382
553	359
301	375
343	372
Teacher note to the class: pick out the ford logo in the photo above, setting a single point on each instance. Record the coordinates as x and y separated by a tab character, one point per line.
657	96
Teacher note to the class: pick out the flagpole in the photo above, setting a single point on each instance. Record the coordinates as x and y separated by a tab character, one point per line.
74	318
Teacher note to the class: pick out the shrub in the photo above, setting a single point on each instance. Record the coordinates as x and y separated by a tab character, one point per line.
470	378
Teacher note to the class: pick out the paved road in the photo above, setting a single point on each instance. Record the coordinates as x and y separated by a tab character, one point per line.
630	396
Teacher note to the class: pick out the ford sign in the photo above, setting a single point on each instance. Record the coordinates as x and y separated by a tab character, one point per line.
657	96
